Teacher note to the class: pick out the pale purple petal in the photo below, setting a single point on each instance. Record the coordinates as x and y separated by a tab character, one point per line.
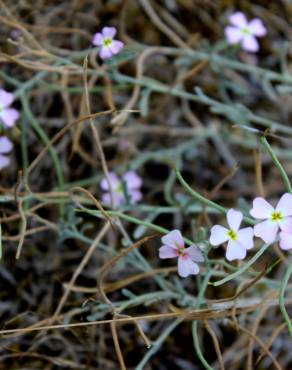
234	219
245	237
173	239
135	196
218	235
261	209
167	252
235	251
238	19
266	230
105	52
285	204
4	161
132	180
9	116
250	43
194	253
114	180
5	145
286	224
233	34
187	267
109	32
285	240
118	199
98	39
6	98
116	46
257	28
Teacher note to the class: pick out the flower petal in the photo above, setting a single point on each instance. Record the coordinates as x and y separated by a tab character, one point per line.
257	28
194	253
135	196
250	43
118	199
109	32
5	145
116	46
285	204
9	116
132	180
286	224
235	251
6	98
218	235
4	161
238	19
105	52
173	239
261	209
233	34
187	267
266	230
285	240
114	180
98	39
245	237
167	252
234	219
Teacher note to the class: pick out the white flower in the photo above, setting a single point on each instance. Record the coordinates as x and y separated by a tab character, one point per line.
239	240
275	218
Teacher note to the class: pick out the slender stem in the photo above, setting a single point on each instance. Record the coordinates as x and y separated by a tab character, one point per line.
243	268
282	297
277	163
135	220
195	323
206	201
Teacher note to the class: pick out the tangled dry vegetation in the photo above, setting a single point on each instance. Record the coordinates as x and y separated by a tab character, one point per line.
82	286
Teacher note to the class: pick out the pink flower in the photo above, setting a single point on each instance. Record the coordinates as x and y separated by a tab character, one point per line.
239	240
130	182
105	39
275	218
174	247
5	147
7	115
243	32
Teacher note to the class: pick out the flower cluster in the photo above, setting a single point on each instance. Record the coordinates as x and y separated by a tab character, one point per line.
239	240
125	188
8	117
271	221
245	33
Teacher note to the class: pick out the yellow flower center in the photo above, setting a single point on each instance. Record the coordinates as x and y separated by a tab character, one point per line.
119	188
277	216
232	234
107	41
246	31
181	250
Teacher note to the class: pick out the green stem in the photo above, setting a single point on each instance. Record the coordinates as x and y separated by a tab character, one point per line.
282	298
195	323
206	201
43	136
243	268
283	173
132	219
